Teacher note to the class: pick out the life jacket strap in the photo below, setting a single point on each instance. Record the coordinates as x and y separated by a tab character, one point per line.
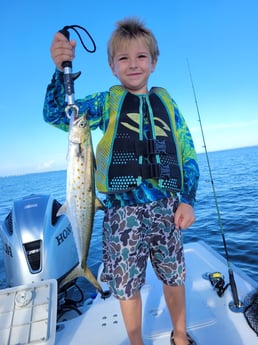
145	147
146	170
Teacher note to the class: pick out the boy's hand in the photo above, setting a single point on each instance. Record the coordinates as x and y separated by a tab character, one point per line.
62	50
184	216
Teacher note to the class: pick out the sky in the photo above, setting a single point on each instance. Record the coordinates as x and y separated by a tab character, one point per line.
218	38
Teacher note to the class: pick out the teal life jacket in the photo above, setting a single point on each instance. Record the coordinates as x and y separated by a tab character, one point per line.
125	157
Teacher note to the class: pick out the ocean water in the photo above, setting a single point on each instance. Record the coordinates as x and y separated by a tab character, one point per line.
234	175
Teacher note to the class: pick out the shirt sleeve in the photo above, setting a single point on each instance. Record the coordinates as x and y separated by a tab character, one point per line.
189	160
55	104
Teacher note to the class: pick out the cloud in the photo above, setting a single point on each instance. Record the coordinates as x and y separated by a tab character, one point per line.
48	164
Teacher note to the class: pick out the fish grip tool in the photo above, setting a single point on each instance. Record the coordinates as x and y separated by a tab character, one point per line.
69	77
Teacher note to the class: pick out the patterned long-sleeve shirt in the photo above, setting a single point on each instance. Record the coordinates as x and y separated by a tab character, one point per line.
97	107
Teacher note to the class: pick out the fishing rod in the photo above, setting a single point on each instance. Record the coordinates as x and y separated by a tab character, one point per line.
236	305
69	77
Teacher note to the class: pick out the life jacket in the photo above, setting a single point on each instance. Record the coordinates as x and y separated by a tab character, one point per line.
125	157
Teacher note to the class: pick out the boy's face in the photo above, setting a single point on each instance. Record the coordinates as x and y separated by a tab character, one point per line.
132	65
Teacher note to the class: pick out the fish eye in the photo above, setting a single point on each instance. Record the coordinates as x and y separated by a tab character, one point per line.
82	124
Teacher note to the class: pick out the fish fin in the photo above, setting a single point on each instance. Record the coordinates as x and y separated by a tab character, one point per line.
62	210
99	204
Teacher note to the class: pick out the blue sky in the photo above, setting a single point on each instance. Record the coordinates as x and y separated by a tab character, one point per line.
219	38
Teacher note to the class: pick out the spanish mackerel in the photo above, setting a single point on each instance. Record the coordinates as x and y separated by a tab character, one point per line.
81	201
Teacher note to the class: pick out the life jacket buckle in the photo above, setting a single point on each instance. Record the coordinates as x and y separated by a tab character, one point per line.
158	171
151	147
159	146
164	172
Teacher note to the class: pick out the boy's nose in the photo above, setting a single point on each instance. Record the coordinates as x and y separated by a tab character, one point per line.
132	63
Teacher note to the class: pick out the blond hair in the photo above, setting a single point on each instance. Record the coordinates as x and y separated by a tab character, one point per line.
128	29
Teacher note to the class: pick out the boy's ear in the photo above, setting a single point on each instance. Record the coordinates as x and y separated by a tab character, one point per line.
154	63
111	65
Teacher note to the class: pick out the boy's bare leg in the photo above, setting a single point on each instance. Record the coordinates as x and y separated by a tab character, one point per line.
132	314
175	299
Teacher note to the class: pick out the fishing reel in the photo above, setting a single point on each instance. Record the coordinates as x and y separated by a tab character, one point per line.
217	281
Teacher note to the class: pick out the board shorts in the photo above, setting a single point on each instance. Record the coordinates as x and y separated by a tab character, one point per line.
131	235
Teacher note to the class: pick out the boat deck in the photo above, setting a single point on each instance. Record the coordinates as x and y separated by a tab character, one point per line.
210	320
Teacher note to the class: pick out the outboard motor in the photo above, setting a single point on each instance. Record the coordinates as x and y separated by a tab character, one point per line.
38	244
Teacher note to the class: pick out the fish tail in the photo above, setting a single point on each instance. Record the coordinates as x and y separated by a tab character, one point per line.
85	272
91	278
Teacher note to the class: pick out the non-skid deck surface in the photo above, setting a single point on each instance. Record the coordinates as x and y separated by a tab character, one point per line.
210	320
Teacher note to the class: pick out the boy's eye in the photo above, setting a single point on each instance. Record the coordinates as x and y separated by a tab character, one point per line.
122	58
142	56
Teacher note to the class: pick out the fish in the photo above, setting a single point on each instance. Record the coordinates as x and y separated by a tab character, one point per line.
81	200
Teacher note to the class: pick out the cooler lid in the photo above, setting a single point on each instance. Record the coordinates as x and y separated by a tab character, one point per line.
28	314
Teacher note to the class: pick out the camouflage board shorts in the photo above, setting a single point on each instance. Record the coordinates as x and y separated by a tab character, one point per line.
132	234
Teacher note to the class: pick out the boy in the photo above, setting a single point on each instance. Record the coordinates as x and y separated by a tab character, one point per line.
145	158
